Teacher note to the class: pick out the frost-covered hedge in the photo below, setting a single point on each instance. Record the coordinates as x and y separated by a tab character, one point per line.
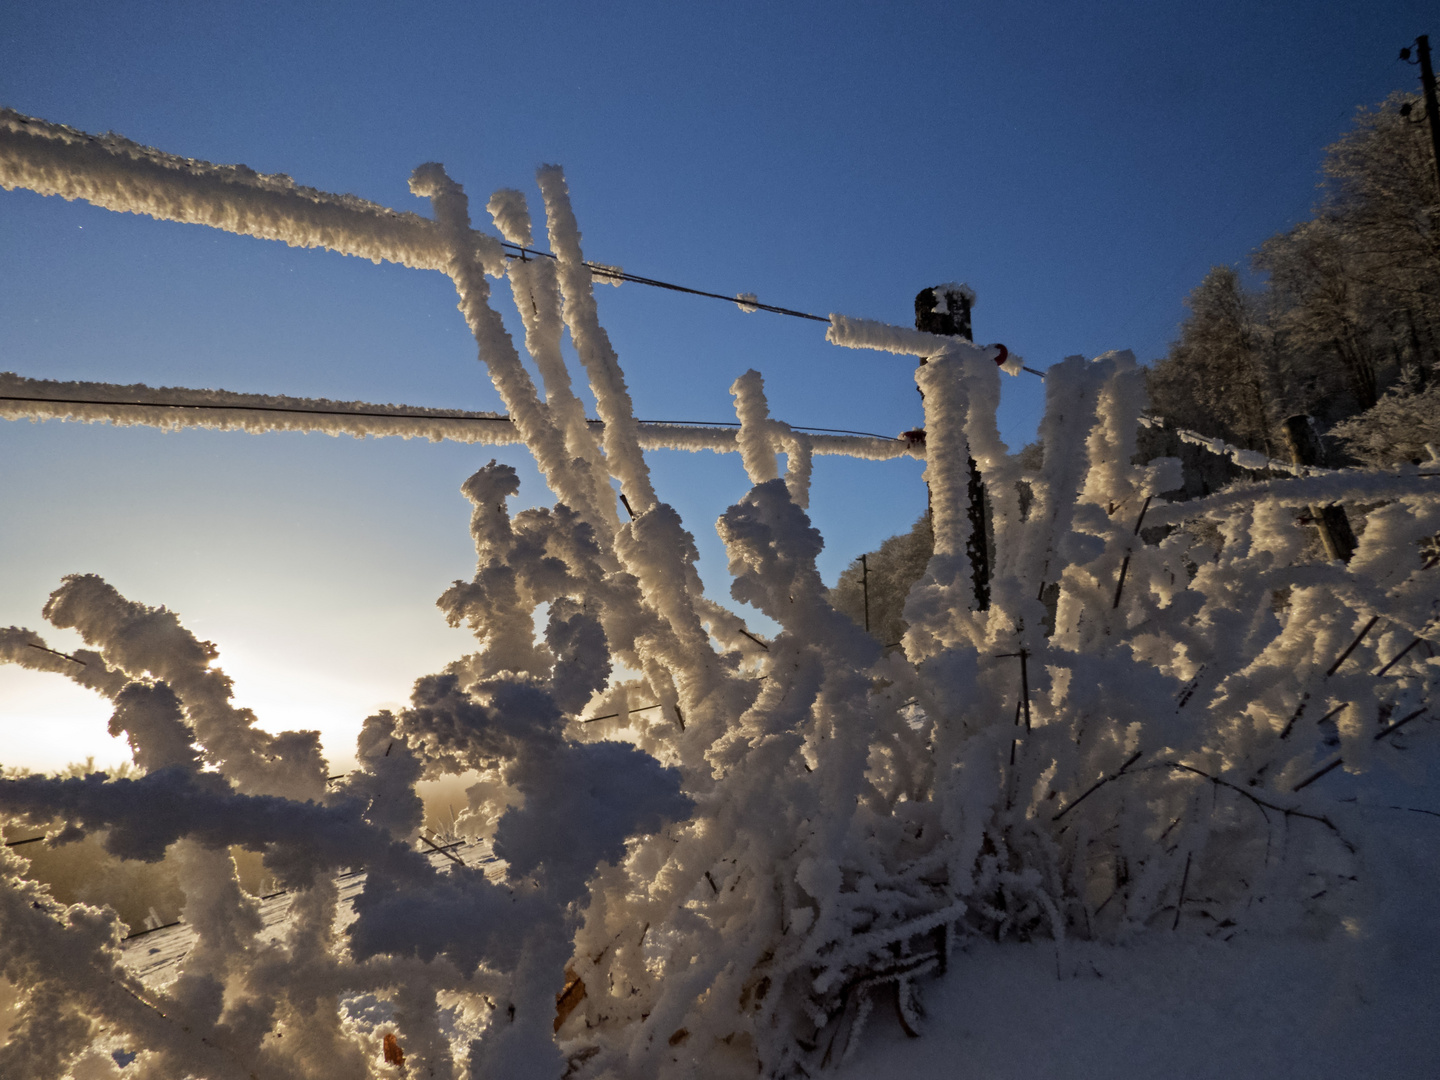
722	852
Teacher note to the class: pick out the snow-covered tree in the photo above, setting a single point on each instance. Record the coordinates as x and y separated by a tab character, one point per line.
1350	300
1221	376
1399	428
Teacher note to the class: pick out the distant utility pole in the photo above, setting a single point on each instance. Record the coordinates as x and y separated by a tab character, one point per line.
952	319
1427	85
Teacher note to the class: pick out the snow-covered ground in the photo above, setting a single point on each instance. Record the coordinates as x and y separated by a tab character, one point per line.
1361	1000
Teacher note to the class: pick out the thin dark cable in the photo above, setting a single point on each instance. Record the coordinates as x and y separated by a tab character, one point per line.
735	424
601	270
612	272
397	416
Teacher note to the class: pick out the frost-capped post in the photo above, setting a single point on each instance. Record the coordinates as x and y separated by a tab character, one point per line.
1333	523
945	310
710	849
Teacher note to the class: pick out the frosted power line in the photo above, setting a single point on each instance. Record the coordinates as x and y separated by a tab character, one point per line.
108	171
746	301
179	407
39	399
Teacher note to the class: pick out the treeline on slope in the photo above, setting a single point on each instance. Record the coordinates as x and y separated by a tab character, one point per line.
1346	325
1345	328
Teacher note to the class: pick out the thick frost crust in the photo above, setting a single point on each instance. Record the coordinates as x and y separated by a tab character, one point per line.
115	173
720	850
172	408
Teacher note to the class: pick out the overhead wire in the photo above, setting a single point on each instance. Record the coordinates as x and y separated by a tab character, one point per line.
736	424
501	418
522	252
600	269
749	302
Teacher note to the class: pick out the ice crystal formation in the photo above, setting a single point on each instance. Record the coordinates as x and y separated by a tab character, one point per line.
715	852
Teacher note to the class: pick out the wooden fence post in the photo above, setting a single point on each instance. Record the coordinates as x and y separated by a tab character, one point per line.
1332	521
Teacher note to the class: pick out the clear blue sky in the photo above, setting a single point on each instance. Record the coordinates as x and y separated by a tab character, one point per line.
1080	165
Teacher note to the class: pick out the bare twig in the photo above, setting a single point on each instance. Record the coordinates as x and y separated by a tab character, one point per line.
1184	880
1120	584
902	991
1299	712
1125	566
1317	775
1144	509
1398	657
613	715
755	639
1024	655
55	652
214	1047
1398	725
1013	741
151	930
1263	804
1098	785
1414	810
1353	645
443	851
1025	685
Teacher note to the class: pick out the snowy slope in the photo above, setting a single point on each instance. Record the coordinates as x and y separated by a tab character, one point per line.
1362	1001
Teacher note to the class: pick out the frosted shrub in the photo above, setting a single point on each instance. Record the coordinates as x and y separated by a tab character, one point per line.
752	843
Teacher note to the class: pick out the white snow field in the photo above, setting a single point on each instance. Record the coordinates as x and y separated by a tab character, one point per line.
1150	794
1363	1002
